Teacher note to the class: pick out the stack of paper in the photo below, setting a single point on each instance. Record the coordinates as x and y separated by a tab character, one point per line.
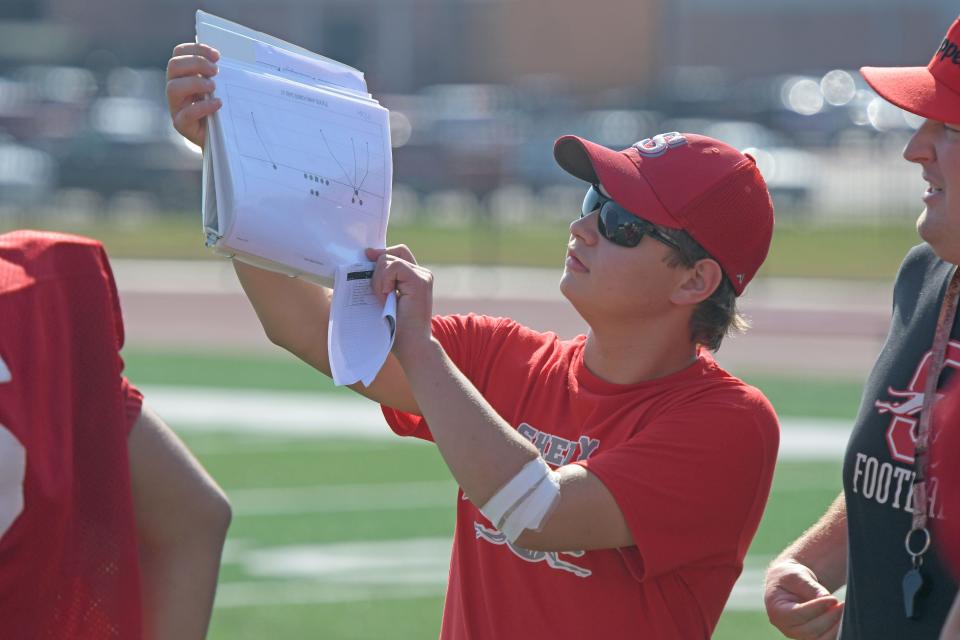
297	176
360	326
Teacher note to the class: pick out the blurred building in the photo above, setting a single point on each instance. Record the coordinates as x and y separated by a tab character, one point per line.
478	90
404	45
401	44
759	37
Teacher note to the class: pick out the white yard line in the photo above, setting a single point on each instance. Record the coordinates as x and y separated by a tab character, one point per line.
286	414
337	572
278	413
387	569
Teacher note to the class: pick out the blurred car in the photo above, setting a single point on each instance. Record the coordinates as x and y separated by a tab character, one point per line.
27	175
128	147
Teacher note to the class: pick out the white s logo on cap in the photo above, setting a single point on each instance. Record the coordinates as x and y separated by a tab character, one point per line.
659	144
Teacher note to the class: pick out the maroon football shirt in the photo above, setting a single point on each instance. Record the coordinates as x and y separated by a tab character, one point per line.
68	552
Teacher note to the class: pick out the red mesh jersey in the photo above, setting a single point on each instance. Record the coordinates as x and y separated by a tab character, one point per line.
68	552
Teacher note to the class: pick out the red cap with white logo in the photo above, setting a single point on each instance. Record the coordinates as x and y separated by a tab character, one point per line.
685	181
932	91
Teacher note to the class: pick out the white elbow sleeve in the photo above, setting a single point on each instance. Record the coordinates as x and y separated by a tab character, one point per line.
525	501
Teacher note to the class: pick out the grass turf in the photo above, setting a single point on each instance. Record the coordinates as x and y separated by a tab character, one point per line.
290	607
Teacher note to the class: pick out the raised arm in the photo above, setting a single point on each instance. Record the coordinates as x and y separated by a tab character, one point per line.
481	449
799	583
294	313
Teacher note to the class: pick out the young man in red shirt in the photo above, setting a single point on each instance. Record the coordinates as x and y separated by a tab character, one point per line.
109	529
611	484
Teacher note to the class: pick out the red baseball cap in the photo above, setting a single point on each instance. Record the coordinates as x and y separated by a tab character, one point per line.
932	91
685	181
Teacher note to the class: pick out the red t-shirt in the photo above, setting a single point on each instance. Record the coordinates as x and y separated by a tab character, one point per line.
688	457
68	551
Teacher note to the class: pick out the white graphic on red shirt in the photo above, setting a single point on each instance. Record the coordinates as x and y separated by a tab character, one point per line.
13	469
905	405
552	558
5	375
556	451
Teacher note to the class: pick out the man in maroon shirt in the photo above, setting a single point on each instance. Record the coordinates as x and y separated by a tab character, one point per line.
109	528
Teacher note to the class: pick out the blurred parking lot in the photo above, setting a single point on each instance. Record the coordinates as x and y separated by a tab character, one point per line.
78	142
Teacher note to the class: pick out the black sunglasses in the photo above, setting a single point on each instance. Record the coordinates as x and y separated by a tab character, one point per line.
618	225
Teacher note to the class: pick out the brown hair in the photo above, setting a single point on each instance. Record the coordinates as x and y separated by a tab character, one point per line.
717	316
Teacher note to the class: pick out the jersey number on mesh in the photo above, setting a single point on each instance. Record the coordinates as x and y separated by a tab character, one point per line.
13	468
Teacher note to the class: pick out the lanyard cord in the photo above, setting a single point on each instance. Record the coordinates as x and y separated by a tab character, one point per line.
941	337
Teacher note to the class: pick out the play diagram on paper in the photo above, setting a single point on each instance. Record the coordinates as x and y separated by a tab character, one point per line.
308	146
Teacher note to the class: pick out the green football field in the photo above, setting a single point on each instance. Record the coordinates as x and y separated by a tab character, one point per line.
338	537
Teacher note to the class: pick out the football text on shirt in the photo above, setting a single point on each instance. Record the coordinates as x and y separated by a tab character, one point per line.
885	482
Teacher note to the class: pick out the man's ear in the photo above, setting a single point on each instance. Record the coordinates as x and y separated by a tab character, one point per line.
701	280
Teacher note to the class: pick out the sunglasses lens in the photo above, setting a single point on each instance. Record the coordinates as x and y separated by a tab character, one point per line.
592	201
615	223
619	226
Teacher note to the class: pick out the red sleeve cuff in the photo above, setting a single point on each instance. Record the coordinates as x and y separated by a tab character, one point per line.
406	424
132	401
